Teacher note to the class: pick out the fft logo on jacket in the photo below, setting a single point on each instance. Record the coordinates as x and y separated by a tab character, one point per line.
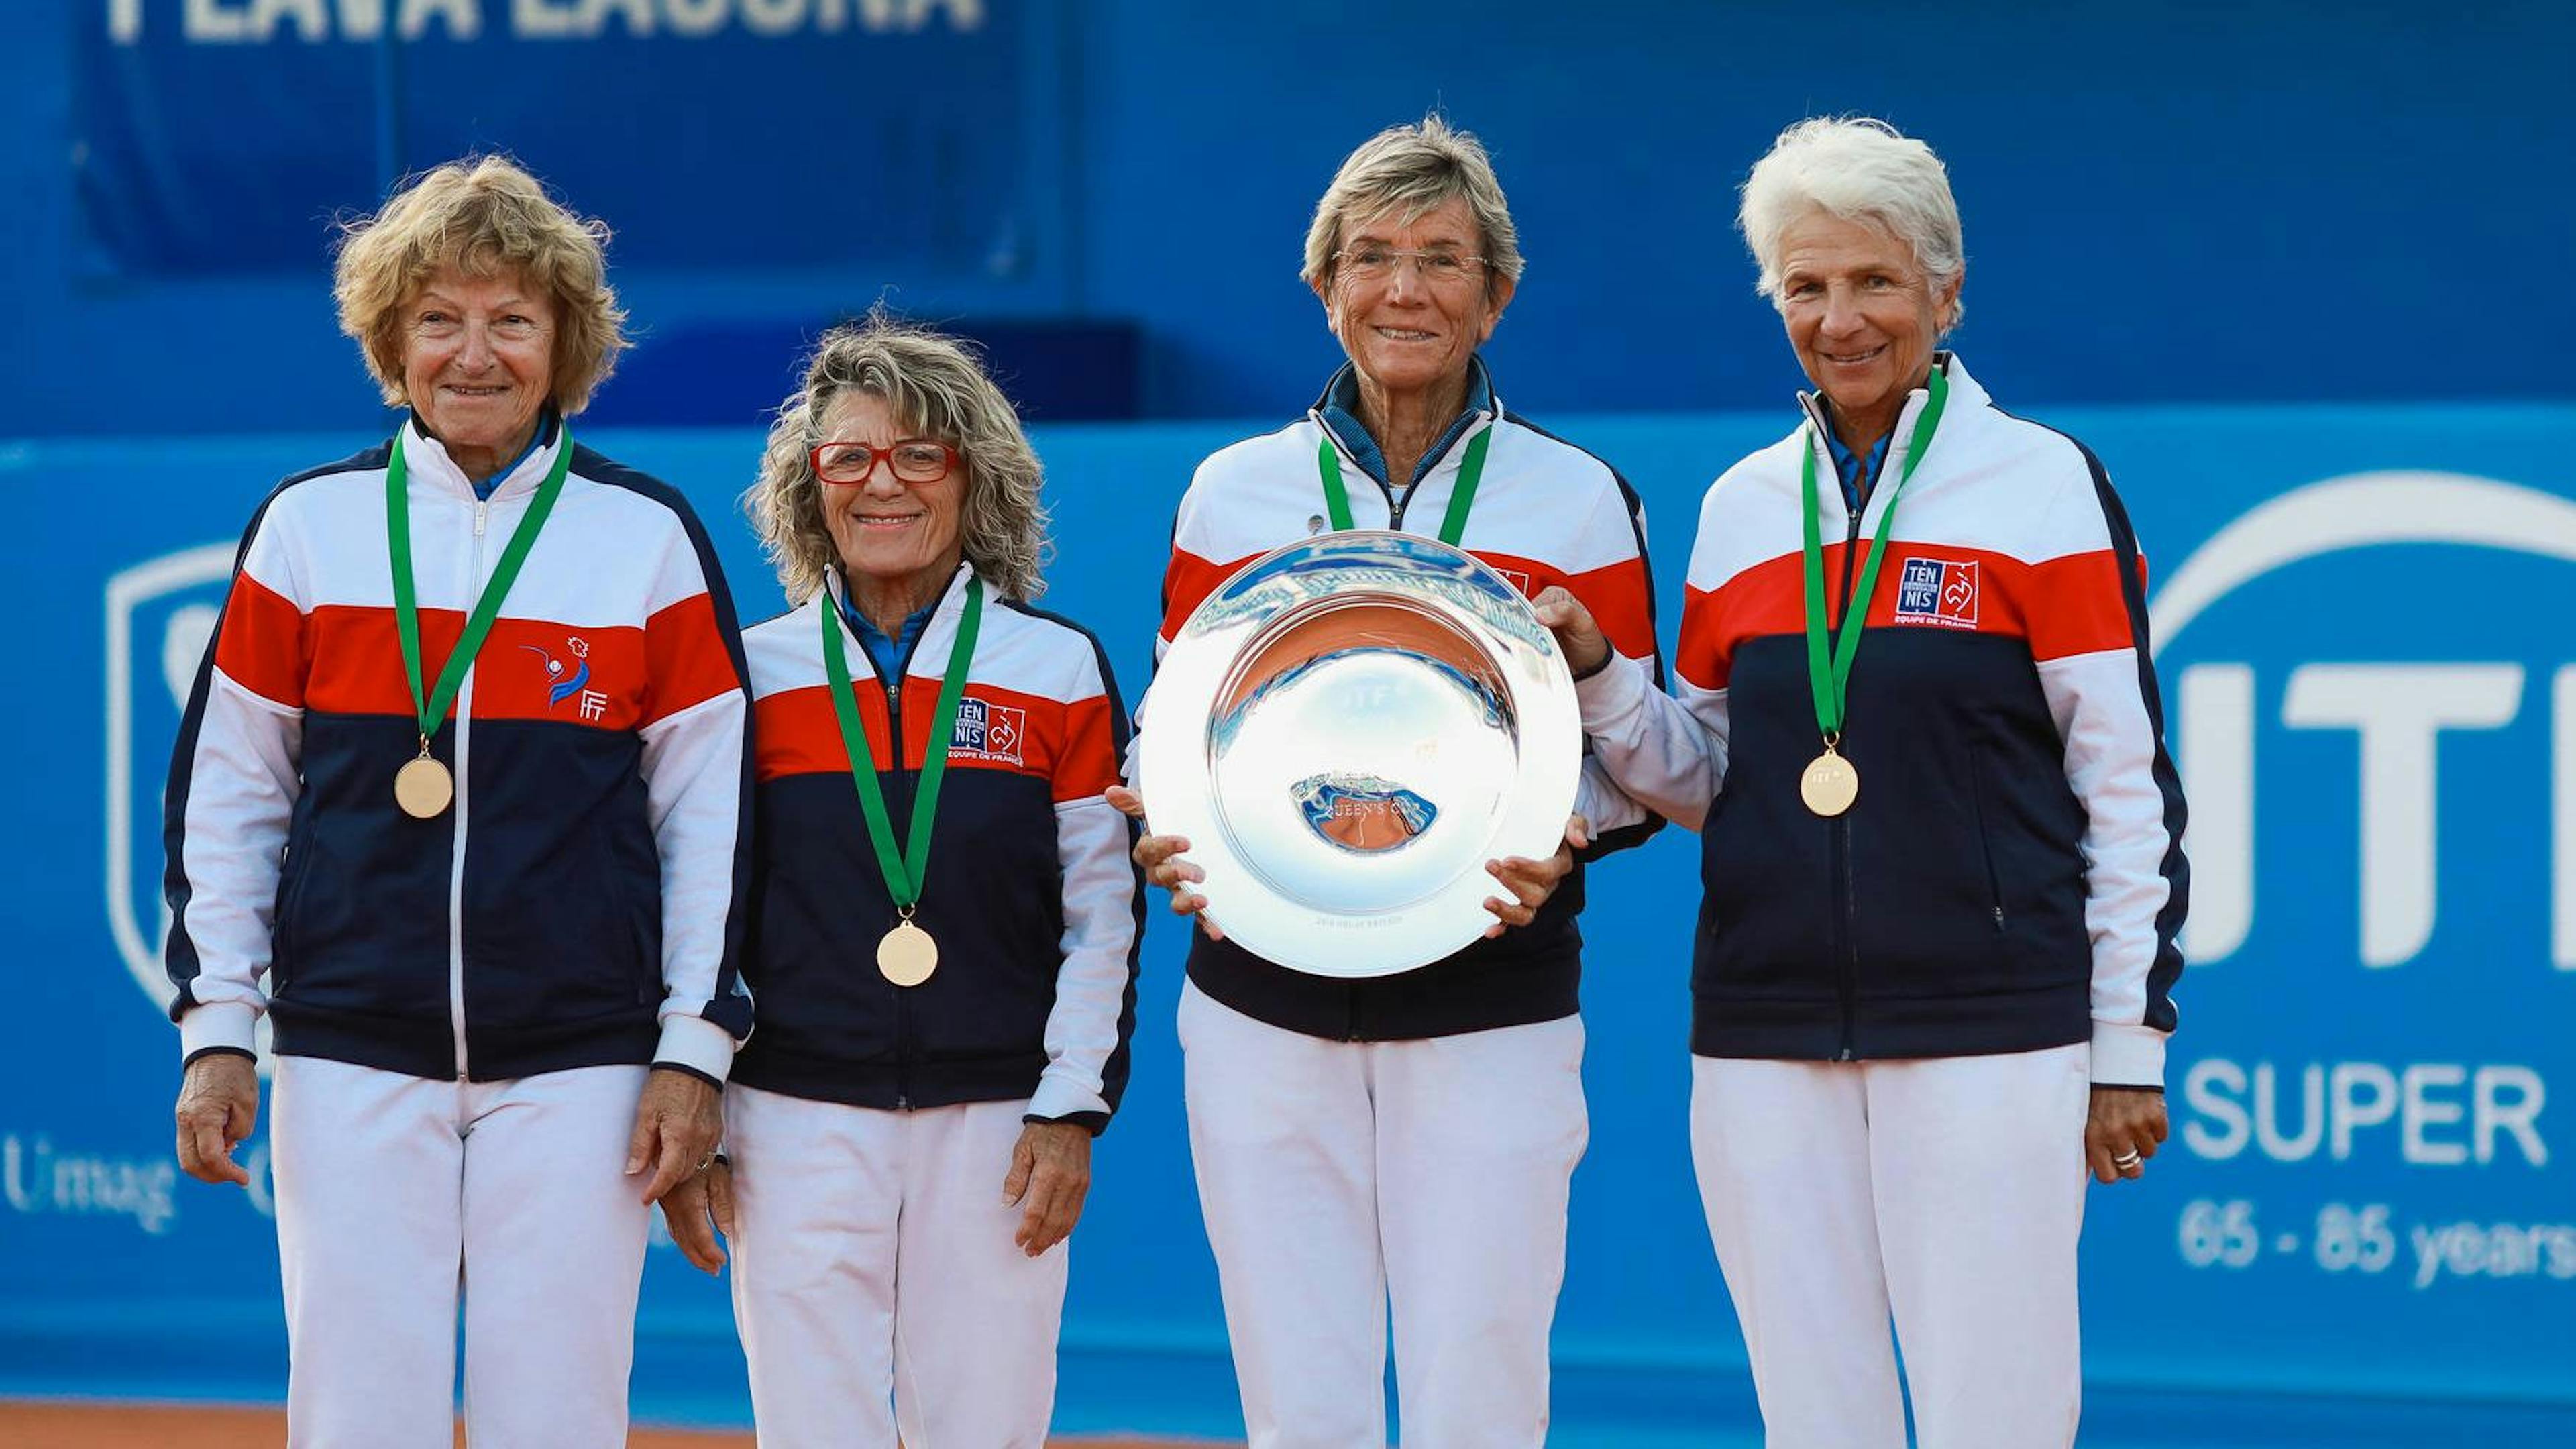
568	681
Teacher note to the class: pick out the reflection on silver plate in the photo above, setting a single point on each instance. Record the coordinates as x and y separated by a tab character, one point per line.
1346	731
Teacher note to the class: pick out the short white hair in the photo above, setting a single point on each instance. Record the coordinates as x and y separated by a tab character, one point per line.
1858	168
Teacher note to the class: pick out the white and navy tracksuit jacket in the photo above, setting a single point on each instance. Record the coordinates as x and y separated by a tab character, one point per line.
581	902
1545	513
2012	877
1030	894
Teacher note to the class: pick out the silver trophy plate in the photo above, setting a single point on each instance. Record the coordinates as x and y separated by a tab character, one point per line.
1346	731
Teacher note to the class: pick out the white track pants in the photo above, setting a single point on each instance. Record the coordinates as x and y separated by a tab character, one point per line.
1948	1191
396	1192
1336	1176
872	1259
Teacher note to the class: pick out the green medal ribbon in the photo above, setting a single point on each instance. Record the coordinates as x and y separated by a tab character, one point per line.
1337	499
1831	681
433	706
905	871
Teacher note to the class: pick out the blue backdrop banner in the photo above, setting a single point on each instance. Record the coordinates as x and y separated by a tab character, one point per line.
2363	1233
222	136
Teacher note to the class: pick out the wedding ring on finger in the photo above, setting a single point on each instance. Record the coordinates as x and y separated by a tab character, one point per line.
2128	1162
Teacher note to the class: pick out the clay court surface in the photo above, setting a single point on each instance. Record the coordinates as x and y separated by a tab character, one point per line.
124	1426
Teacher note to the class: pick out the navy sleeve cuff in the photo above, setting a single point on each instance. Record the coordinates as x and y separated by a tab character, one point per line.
1093	1122
689	1071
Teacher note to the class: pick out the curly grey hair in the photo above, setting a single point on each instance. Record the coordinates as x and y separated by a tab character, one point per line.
1411	171
936	388
1860	169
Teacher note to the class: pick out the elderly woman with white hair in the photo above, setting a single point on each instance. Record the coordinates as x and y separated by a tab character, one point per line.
1940	840
463	777
1405	1140
944	941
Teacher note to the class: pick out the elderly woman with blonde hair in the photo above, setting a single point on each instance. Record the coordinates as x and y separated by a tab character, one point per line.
1403	1143
945	942
463	777
1940	840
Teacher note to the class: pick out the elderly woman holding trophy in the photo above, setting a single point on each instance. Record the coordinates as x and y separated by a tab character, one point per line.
1918	730
1400	1141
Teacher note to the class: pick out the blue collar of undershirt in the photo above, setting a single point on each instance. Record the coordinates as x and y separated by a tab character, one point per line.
1340	410
887	653
547	420
1857	470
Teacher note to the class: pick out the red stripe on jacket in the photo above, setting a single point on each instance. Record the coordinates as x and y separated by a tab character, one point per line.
528	669
1187	580
796	732
2061	607
685	659
263	644
1616	593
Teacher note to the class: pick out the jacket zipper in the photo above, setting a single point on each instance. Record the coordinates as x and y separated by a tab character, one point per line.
1847	894
294	863
1846	897
894	734
1351	999
1985	839
902	1006
456	865
1395	506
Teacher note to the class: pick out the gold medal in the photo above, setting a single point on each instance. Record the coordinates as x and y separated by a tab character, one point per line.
1830	784
423	788
906	956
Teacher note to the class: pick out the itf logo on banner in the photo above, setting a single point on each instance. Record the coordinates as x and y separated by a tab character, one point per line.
1935	591
160	616
2399	714
2372	707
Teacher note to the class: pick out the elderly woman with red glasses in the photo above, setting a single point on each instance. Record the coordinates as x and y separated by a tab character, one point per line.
943	943
1403	1143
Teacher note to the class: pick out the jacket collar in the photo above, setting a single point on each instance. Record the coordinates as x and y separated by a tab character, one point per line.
1965	397
1338	413
942	625
425	459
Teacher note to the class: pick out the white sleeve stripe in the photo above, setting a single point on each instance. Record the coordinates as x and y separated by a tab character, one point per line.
668	722
1087	1024
253	697
2110	765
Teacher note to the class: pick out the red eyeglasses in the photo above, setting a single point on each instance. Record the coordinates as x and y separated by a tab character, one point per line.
914	460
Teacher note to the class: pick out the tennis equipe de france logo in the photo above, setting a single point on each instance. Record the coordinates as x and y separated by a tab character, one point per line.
990	731
1936	591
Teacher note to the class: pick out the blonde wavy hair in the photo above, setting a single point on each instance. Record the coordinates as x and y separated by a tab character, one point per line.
485	217
936	388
